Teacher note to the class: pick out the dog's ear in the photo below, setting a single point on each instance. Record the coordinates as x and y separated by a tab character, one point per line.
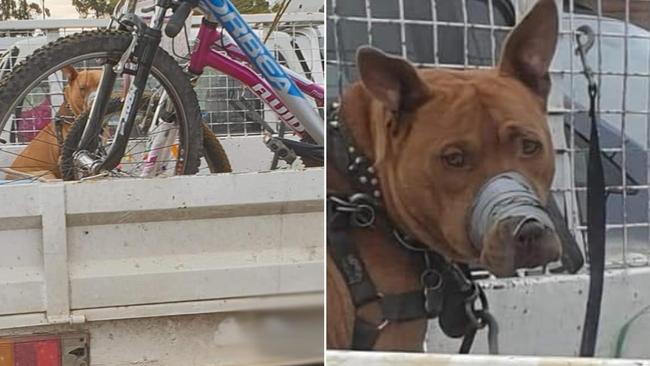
529	48
69	72
392	80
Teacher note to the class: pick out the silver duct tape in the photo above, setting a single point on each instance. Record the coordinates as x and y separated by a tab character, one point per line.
507	195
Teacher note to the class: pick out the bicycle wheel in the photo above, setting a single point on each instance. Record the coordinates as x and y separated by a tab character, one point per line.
214	153
66	72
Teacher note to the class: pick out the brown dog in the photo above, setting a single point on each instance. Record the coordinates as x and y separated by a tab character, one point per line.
41	157
435	137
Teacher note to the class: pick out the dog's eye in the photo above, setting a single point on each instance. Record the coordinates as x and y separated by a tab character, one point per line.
530	147
454	159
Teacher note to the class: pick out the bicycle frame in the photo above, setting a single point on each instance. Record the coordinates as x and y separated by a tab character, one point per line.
278	88
216	50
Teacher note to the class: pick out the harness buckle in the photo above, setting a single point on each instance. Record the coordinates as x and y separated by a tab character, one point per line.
432	284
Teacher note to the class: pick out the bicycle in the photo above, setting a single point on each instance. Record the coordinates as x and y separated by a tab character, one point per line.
132	49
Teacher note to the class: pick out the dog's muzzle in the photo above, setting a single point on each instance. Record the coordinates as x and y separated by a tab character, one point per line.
505	196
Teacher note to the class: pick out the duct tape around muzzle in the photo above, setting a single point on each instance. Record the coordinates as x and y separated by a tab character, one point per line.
507	195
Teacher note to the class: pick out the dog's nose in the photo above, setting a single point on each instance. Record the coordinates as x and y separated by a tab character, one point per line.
529	231
519	242
535	244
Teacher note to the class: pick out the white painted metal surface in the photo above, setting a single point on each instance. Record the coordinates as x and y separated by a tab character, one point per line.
184	245
543	315
338	358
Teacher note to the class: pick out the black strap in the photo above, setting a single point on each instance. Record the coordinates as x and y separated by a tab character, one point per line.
572	259
596	219
365	335
468	341
404	307
347	259
395	307
337	146
596	212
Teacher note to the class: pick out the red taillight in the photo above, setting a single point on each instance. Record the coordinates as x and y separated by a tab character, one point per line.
48	353
43	352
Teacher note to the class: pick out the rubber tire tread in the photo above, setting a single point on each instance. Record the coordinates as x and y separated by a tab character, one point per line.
215	155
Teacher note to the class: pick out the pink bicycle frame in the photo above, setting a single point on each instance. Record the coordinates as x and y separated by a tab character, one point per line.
228	58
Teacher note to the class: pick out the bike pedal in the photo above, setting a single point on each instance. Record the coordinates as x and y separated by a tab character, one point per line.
278	147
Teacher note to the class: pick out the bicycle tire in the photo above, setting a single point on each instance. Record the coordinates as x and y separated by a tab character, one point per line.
214	153
110	44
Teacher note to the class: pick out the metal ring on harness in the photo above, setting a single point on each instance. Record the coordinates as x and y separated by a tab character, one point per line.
364	213
363	216
424	279
359	206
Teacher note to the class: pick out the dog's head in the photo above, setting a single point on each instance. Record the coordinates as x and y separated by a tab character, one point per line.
80	88
465	158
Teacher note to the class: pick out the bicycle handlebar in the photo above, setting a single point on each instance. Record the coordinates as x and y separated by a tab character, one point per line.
177	19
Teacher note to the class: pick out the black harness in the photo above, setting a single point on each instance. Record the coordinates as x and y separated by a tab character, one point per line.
447	289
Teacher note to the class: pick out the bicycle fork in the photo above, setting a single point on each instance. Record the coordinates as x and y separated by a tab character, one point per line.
144	48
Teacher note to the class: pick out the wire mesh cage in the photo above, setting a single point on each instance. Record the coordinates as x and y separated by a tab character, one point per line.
233	110
469	34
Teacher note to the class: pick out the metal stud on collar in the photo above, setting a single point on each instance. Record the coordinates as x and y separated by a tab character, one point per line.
360	170
365	172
